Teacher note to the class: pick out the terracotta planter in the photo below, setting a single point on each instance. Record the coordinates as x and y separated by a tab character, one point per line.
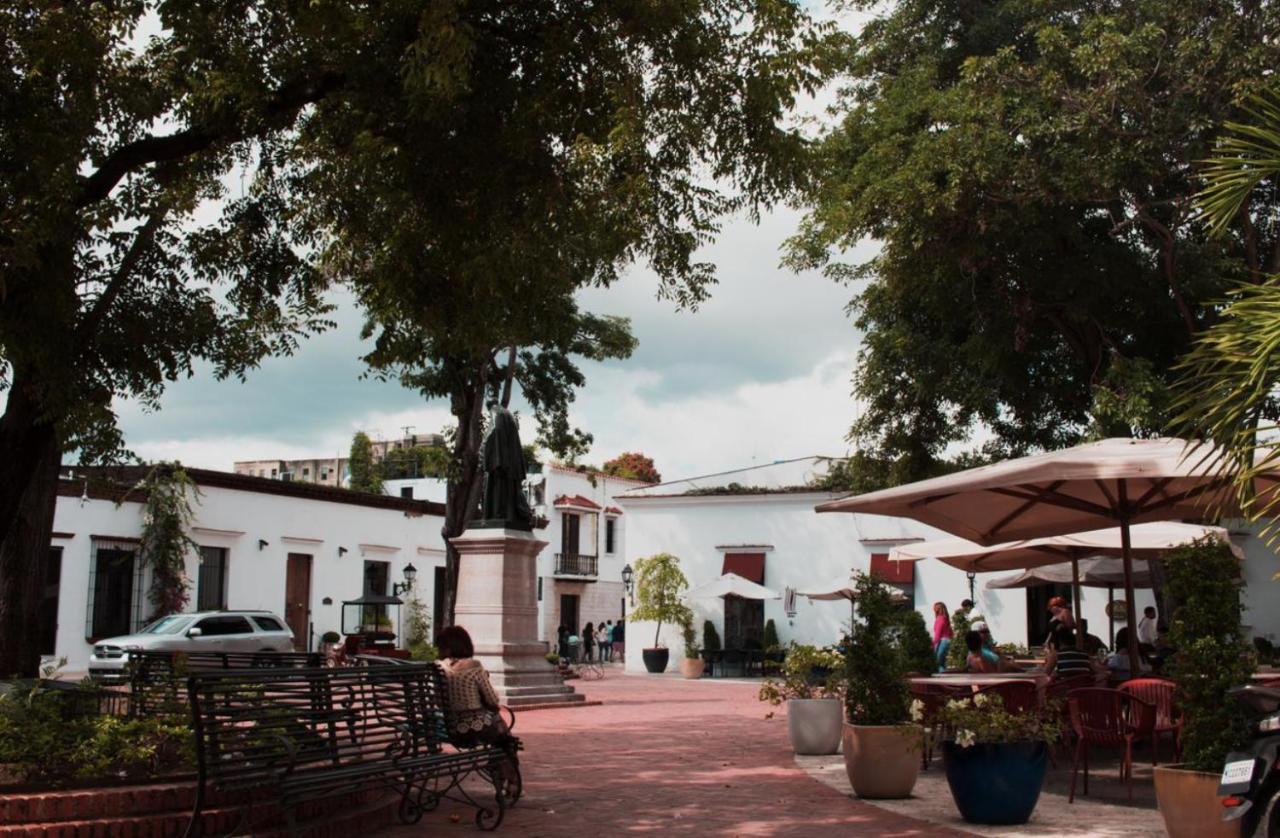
815	724
1189	804
692	667
882	761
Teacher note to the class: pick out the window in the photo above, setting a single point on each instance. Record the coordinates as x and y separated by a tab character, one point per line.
539	589
610	525
273	472
306	472
211	584
220	626
268	623
376	575
116	589
48	628
406	492
569	529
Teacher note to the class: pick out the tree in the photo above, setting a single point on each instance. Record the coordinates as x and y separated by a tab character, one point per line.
166	541
364	472
565	146
109	288
414	461
1028	169
659	584
1229	379
634	466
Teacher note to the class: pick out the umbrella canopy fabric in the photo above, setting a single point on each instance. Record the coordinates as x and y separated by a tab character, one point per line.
731	584
1146	541
1076	489
1096	572
843	588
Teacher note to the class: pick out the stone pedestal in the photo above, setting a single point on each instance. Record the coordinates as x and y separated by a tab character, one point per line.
498	605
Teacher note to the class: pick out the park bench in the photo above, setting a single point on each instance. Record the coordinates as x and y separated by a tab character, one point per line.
293	735
156	682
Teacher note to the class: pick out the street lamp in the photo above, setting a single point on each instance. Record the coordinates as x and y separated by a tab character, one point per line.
628	582
410	575
972	577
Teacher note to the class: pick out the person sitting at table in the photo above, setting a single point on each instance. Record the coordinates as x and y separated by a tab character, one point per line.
1118	661
990	654
1063	660
975	661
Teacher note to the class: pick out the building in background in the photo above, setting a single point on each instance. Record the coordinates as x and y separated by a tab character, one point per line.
330	471
293	549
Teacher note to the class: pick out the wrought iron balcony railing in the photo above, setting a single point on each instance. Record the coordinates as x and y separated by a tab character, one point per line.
577	564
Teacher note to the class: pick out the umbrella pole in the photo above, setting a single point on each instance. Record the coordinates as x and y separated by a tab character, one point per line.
1075	605
1126	550
1111	616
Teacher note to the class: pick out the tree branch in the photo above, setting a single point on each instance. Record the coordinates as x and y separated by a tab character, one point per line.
124	272
283	106
510	374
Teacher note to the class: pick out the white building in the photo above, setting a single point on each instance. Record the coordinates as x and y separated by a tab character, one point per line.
295	549
760	522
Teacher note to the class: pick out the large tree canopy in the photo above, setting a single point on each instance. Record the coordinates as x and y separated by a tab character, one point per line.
1029	169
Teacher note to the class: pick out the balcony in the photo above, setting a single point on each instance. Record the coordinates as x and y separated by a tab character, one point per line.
577	566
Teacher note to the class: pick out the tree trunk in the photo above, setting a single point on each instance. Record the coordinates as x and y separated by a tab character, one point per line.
31	454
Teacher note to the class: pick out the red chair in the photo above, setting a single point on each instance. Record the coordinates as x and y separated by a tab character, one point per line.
1159	693
1107	717
1017	696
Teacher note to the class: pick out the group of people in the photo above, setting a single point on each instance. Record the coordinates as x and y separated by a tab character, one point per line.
598	642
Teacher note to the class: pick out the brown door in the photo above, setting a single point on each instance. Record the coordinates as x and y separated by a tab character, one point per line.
297	598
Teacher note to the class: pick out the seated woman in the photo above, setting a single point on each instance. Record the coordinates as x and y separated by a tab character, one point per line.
998	662
975	662
1118	661
473	717
1063	660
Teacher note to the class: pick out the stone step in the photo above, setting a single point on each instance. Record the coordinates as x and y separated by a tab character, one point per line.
523	702
547	689
559	705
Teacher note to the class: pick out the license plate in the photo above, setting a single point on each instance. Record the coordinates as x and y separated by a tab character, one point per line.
1235	773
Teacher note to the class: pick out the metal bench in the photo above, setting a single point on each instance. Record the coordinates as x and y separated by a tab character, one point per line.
157	681
301	734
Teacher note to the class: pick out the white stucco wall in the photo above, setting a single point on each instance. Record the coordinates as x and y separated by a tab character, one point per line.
808	549
237	520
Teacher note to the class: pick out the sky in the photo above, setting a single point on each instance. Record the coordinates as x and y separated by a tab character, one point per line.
760	372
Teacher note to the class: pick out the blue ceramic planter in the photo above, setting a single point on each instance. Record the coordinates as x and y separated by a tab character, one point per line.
996	783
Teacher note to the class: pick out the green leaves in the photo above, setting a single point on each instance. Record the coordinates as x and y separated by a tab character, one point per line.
659	583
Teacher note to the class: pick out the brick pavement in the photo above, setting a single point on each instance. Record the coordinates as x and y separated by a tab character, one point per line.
664	755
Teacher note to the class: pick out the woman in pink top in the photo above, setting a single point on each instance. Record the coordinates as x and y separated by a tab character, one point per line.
941	634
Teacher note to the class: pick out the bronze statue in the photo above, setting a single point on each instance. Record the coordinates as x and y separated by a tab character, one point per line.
504	471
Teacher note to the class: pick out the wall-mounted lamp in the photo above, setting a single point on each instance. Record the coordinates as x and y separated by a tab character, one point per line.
327	601
262	543
342	551
628	582
410	574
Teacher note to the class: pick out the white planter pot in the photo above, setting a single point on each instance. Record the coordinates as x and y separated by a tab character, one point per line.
815	724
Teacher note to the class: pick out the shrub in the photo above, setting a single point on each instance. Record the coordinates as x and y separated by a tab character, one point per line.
875	672
710	637
771	635
1212	655
984	720
916	644
691	650
417	622
553	658
960	623
807	672
423	651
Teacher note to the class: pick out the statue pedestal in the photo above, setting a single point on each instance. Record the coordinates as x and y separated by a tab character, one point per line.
498	605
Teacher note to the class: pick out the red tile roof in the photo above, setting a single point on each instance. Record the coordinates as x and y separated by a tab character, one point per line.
576	500
612	510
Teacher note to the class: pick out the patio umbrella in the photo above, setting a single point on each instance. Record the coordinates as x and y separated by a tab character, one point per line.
731	584
1113	482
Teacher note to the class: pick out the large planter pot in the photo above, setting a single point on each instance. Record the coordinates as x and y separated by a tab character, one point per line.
655	660
689	667
815	724
997	783
1189	804
882	761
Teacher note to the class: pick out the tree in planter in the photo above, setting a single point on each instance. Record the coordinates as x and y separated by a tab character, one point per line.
807	672
1203	578
960	622
710	637
875	668
916	644
659	583
692	650
165	545
771	640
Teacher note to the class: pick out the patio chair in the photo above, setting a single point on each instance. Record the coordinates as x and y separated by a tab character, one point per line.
1109	718
1017	696
1168	719
1056	693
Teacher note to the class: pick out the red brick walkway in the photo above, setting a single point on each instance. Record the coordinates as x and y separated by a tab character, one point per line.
664	755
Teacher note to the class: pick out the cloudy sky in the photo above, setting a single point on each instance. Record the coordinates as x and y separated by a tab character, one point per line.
759	372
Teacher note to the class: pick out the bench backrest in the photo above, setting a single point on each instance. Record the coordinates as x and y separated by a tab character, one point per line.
158	680
255	725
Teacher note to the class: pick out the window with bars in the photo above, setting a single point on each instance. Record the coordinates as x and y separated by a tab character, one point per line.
211	585
117	589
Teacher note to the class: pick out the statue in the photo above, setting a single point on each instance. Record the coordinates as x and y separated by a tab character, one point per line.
502	458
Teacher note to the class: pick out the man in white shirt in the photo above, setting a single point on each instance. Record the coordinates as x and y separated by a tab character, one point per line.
1147	629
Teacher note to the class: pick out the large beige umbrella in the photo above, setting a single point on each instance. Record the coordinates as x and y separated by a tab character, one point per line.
1114	482
731	584
1096	572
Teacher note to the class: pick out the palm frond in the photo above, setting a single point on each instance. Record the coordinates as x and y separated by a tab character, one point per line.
1244	156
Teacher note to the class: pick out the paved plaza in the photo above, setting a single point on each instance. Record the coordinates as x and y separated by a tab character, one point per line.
665	755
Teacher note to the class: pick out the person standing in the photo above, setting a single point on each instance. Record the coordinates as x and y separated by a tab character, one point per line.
588	641
941	634
562	641
606	641
619	640
1148	631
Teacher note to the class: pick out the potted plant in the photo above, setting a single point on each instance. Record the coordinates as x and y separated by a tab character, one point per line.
881	744
710	637
1203	578
810	686
992	748
659	583
692	665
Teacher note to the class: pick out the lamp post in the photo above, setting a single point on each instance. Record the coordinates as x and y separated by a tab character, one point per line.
972	578
410	576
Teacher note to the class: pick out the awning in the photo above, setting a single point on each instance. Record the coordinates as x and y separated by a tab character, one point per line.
747	565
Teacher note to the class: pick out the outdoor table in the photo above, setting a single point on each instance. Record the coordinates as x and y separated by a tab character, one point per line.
975	681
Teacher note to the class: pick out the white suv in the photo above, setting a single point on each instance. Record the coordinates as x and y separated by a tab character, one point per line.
205	631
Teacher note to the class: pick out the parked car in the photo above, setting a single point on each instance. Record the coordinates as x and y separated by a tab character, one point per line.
204	631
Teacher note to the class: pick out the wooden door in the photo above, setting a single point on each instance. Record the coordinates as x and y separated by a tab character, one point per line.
743	623
297	599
